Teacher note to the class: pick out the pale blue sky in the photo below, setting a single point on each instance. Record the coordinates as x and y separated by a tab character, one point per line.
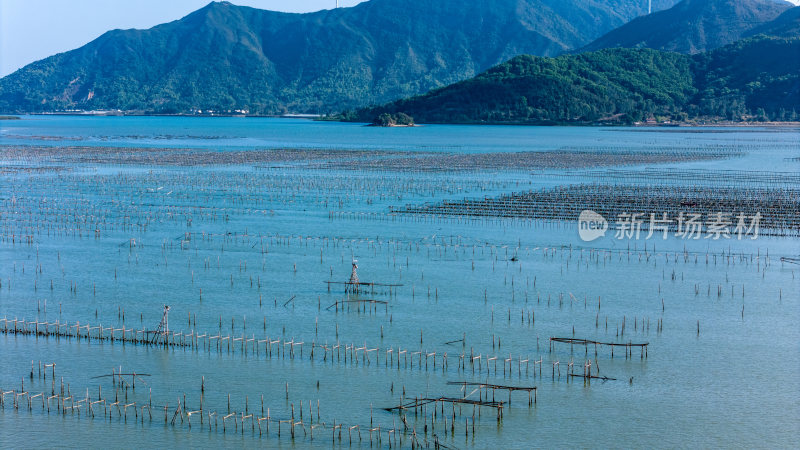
34	29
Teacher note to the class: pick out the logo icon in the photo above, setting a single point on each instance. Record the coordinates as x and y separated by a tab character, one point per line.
591	225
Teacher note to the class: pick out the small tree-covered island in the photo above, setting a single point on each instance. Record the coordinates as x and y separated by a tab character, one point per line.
399	119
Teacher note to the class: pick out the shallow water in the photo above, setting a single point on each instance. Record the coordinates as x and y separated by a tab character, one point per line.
246	249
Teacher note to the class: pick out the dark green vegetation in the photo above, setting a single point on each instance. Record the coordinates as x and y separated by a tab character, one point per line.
9	118
225	57
393	120
693	26
757	78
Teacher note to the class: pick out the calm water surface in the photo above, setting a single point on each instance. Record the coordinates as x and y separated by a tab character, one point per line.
244	250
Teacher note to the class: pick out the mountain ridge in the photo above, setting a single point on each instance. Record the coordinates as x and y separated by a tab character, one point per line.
228	57
786	25
692	26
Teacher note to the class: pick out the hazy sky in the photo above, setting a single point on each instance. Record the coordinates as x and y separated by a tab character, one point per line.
34	29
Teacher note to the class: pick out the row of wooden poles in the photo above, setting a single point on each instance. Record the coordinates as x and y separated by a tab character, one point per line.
777	206
650	175
64	402
628	346
337	353
557	222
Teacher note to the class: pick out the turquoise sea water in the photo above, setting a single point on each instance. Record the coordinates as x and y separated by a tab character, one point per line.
243	250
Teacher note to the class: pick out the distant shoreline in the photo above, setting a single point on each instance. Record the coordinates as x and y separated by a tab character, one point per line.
413	125
710	124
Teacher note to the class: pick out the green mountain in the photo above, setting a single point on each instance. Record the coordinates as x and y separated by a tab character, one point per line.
758	77
692	26
755	77
786	25
226	57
